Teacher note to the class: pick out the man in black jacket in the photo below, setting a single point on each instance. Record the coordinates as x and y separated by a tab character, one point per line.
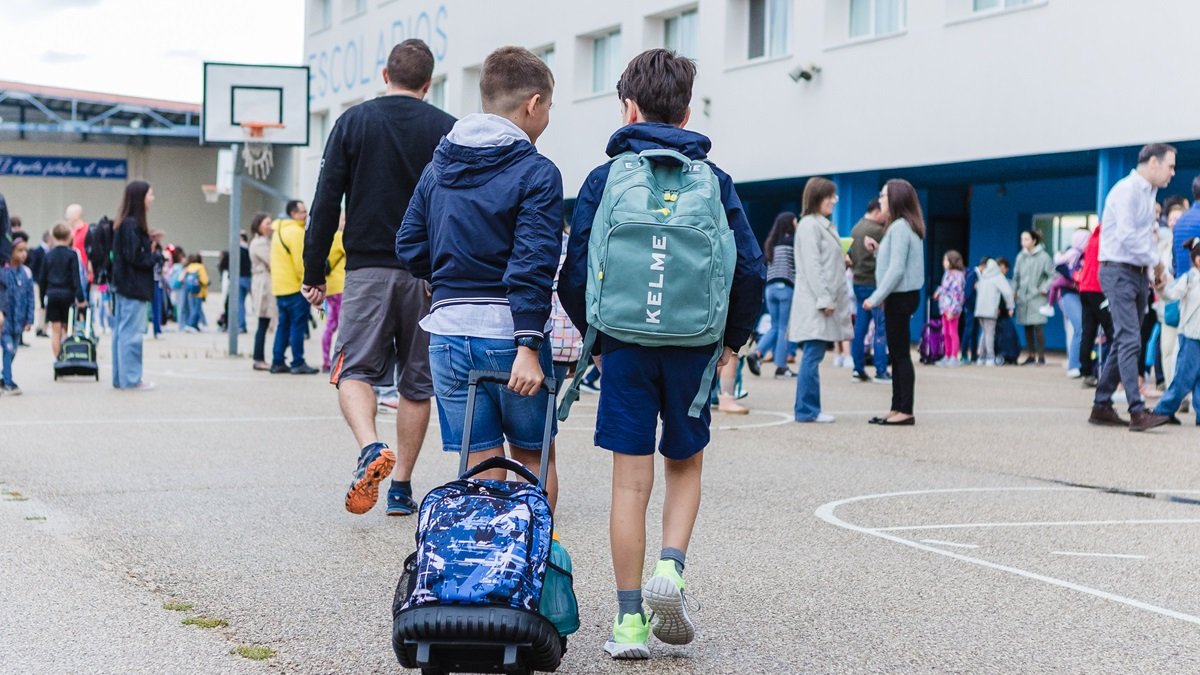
374	157
6	250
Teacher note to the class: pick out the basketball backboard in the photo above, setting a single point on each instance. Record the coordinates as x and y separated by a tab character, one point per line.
236	94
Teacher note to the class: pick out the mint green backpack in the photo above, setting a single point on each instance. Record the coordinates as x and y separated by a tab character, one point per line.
660	261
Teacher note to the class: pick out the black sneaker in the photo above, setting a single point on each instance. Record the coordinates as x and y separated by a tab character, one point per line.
753	364
277	368
783	374
1091	382
12	389
859	376
303	369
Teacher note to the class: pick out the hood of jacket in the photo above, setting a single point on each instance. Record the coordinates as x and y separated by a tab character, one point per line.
991	271
653	135
478	148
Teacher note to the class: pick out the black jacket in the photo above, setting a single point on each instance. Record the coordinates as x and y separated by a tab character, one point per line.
374	156
133	261
59	279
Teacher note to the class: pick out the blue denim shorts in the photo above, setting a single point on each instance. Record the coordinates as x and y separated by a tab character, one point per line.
500	414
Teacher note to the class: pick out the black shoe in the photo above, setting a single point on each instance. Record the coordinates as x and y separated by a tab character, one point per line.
1029	361
303	369
277	368
1090	382
859	376
41	333
1145	420
784	373
753	364
1105	416
907	422
1041	361
1174	421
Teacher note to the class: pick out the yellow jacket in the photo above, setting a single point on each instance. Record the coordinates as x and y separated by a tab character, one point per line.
202	273
335	281
287	257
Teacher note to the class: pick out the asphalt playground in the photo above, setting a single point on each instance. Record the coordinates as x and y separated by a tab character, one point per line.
1001	534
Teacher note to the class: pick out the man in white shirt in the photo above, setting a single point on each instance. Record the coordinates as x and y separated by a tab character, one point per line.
1128	256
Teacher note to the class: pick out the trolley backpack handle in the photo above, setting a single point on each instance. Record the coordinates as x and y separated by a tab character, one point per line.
474	379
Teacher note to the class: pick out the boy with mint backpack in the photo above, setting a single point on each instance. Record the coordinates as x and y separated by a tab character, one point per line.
663	273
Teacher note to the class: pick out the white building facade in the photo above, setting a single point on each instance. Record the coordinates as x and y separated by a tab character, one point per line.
1006	114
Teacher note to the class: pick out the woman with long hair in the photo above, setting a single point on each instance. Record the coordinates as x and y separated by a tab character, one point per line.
899	276
821	305
1032	276
780	253
262	301
133	278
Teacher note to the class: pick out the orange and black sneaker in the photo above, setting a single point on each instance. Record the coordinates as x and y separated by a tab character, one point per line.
374	464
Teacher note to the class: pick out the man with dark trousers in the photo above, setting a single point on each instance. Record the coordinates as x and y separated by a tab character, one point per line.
374	158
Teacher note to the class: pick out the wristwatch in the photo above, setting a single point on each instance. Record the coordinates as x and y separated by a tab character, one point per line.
533	342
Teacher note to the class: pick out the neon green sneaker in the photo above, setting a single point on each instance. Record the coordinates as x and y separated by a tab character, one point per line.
663	595
629	637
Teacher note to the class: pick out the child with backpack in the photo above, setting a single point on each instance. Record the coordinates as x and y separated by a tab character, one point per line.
17	309
655	159
61	284
950	296
484	227
195	285
990	291
1185	289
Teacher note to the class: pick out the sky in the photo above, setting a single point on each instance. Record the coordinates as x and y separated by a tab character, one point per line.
149	48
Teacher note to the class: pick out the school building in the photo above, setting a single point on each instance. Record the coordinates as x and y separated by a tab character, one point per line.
1006	114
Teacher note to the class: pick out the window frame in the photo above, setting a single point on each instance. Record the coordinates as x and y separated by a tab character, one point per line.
874	33
677	16
613	57
768	15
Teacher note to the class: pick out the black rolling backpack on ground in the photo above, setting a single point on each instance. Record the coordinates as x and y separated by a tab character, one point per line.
77	355
488	590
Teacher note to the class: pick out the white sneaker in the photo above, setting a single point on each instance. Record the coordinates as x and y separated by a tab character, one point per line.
989	364
1074	374
822	418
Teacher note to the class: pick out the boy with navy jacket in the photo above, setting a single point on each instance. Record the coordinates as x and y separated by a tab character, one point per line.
485	228
642	384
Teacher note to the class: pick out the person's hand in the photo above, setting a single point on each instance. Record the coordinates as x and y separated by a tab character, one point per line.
867	305
726	357
527	375
315	295
828	311
871	244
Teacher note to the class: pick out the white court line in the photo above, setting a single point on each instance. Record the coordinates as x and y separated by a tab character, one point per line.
949	543
170	420
1050	523
825	512
1099	555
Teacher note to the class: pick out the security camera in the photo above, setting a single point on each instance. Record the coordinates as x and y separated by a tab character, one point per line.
805	73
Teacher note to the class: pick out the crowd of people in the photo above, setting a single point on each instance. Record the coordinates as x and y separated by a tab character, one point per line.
436	246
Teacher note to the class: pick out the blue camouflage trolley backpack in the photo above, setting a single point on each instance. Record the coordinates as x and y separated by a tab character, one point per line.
660	261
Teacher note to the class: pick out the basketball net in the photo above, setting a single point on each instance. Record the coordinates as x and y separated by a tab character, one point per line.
256	151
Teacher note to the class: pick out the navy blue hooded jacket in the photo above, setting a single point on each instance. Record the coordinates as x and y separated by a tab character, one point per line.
749	276
485	223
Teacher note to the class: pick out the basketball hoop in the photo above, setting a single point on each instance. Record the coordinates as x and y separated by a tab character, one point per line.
256	150
210	193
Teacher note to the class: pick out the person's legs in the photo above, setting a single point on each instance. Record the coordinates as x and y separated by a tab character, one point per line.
156	309
987	341
8	343
243	291
862	323
808	380
898	309
299	316
1039	335
260	338
1188	365
950	331
1030	345
1072	309
880	348
632	481
1126	292
1169	345
783	310
57	328
283	329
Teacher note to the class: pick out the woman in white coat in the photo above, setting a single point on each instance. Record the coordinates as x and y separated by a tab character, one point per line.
821	305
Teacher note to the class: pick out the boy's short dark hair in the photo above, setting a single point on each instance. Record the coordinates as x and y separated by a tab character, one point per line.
410	65
873	205
1155	150
61	231
660	82
511	76
291	206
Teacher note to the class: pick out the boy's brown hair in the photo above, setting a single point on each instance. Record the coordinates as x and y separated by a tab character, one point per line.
61	232
659	81
410	65
511	76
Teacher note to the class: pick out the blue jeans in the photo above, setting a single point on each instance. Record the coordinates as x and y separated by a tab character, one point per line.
129	327
8	343
862	321
500	414
156	309
293	317
1187	379
243	289
808	380
195	313
1072	309
779	306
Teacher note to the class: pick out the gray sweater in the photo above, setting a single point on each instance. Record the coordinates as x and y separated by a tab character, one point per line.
900	263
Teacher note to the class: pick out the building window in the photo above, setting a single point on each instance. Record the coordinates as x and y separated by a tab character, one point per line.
768	28
352	8
318	126
994	5
472	101
1057	228
681	33
546	54
606	61
437	93
322	14
875	18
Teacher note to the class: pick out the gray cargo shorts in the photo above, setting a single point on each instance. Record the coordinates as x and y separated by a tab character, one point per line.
379	341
